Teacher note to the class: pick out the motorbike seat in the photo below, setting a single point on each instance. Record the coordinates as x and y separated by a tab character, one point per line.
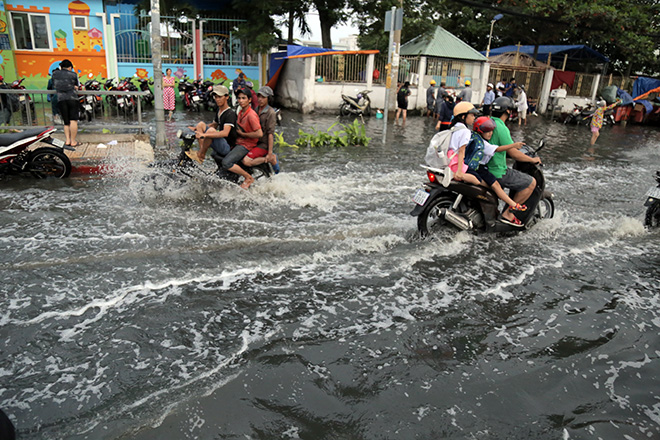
7	139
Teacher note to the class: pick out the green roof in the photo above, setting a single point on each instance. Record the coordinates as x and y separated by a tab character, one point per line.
441	43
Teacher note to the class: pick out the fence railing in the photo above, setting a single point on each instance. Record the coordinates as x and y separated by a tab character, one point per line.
32	108
342	68
219	43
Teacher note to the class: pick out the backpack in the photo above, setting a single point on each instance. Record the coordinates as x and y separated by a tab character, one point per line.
436	153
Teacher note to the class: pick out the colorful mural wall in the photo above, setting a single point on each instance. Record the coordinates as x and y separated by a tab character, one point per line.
7	64
44	36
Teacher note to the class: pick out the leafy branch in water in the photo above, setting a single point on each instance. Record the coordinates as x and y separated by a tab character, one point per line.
350	134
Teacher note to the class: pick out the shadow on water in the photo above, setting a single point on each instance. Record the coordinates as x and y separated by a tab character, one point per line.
307	307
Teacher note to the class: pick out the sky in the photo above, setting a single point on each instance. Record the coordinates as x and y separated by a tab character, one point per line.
338	32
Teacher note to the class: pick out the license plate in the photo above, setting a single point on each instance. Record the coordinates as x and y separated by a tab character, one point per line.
654	192
21	98
88	108
420	197
90	98
120	100
57	142
195	98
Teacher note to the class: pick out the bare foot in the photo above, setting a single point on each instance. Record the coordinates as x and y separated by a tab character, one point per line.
247	182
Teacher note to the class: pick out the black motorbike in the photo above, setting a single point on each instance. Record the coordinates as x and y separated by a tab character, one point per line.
183	168
470	207
652	219
359	105
580	115
143	85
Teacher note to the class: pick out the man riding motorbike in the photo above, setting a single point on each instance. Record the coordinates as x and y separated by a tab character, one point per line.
523	184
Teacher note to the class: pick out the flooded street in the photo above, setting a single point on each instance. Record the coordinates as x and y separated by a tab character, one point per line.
309	308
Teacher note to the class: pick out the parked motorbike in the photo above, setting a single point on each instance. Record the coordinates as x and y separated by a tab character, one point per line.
42	162
96	101
144	83
85	107
580	115
183	168
207	97
24	100
470	207
189	96
652	219
358	105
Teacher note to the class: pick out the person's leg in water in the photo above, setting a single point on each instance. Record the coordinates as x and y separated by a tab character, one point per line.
595	132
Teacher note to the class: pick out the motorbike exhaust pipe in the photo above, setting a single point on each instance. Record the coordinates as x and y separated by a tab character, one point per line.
456	220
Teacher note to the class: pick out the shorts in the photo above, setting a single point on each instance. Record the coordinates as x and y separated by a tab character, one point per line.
594	129
515	180
257	152
483	175
402	104
69	110
430	106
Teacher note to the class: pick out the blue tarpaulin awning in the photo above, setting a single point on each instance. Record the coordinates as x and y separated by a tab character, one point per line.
574	52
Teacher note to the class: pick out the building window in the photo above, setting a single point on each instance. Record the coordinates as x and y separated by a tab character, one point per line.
31	31
80	23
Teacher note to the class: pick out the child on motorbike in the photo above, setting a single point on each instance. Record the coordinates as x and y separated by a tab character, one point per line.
473	151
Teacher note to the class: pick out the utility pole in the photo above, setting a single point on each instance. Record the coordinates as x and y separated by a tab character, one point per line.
393	24
156	54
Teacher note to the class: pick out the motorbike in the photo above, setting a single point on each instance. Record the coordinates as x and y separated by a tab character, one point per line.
580	115
24	100
183	168
207	97
359	105
96	101
189	95
470	207
41	162
144	84
652	219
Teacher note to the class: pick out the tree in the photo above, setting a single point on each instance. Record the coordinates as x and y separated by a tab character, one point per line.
331	12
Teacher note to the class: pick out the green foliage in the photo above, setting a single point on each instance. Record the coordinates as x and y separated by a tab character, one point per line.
278	141
348	135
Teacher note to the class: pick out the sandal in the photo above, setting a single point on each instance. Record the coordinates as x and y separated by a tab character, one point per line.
513	222
518	207
194	157
77	144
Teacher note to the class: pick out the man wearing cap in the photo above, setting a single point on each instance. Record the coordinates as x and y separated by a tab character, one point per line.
66	84
430	98
220	134
466	93
489	97
263	152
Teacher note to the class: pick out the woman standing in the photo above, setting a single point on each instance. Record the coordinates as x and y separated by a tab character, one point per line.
169	99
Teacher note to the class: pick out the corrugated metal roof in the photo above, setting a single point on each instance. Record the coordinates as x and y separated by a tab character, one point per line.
441	43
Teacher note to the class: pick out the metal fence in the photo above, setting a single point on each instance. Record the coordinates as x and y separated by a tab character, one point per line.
29	108
531	79
219	44
342	68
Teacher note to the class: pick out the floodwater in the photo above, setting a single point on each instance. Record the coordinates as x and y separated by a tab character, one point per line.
308	308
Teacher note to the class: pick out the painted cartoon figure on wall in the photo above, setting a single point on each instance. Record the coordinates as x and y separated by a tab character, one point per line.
62	31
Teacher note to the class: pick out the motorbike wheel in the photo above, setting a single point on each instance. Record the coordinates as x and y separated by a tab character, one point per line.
429	222
49	162
545	209
367	111
652	219
88	116
344	110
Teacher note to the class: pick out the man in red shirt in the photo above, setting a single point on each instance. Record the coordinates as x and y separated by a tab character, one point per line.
248	130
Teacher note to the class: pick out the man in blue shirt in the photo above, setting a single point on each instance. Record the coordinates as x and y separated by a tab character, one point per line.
489	97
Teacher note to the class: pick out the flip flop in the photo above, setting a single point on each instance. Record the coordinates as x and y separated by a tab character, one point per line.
515	222
77	144
194	157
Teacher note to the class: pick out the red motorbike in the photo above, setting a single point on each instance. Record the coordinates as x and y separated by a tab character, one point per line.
42	162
